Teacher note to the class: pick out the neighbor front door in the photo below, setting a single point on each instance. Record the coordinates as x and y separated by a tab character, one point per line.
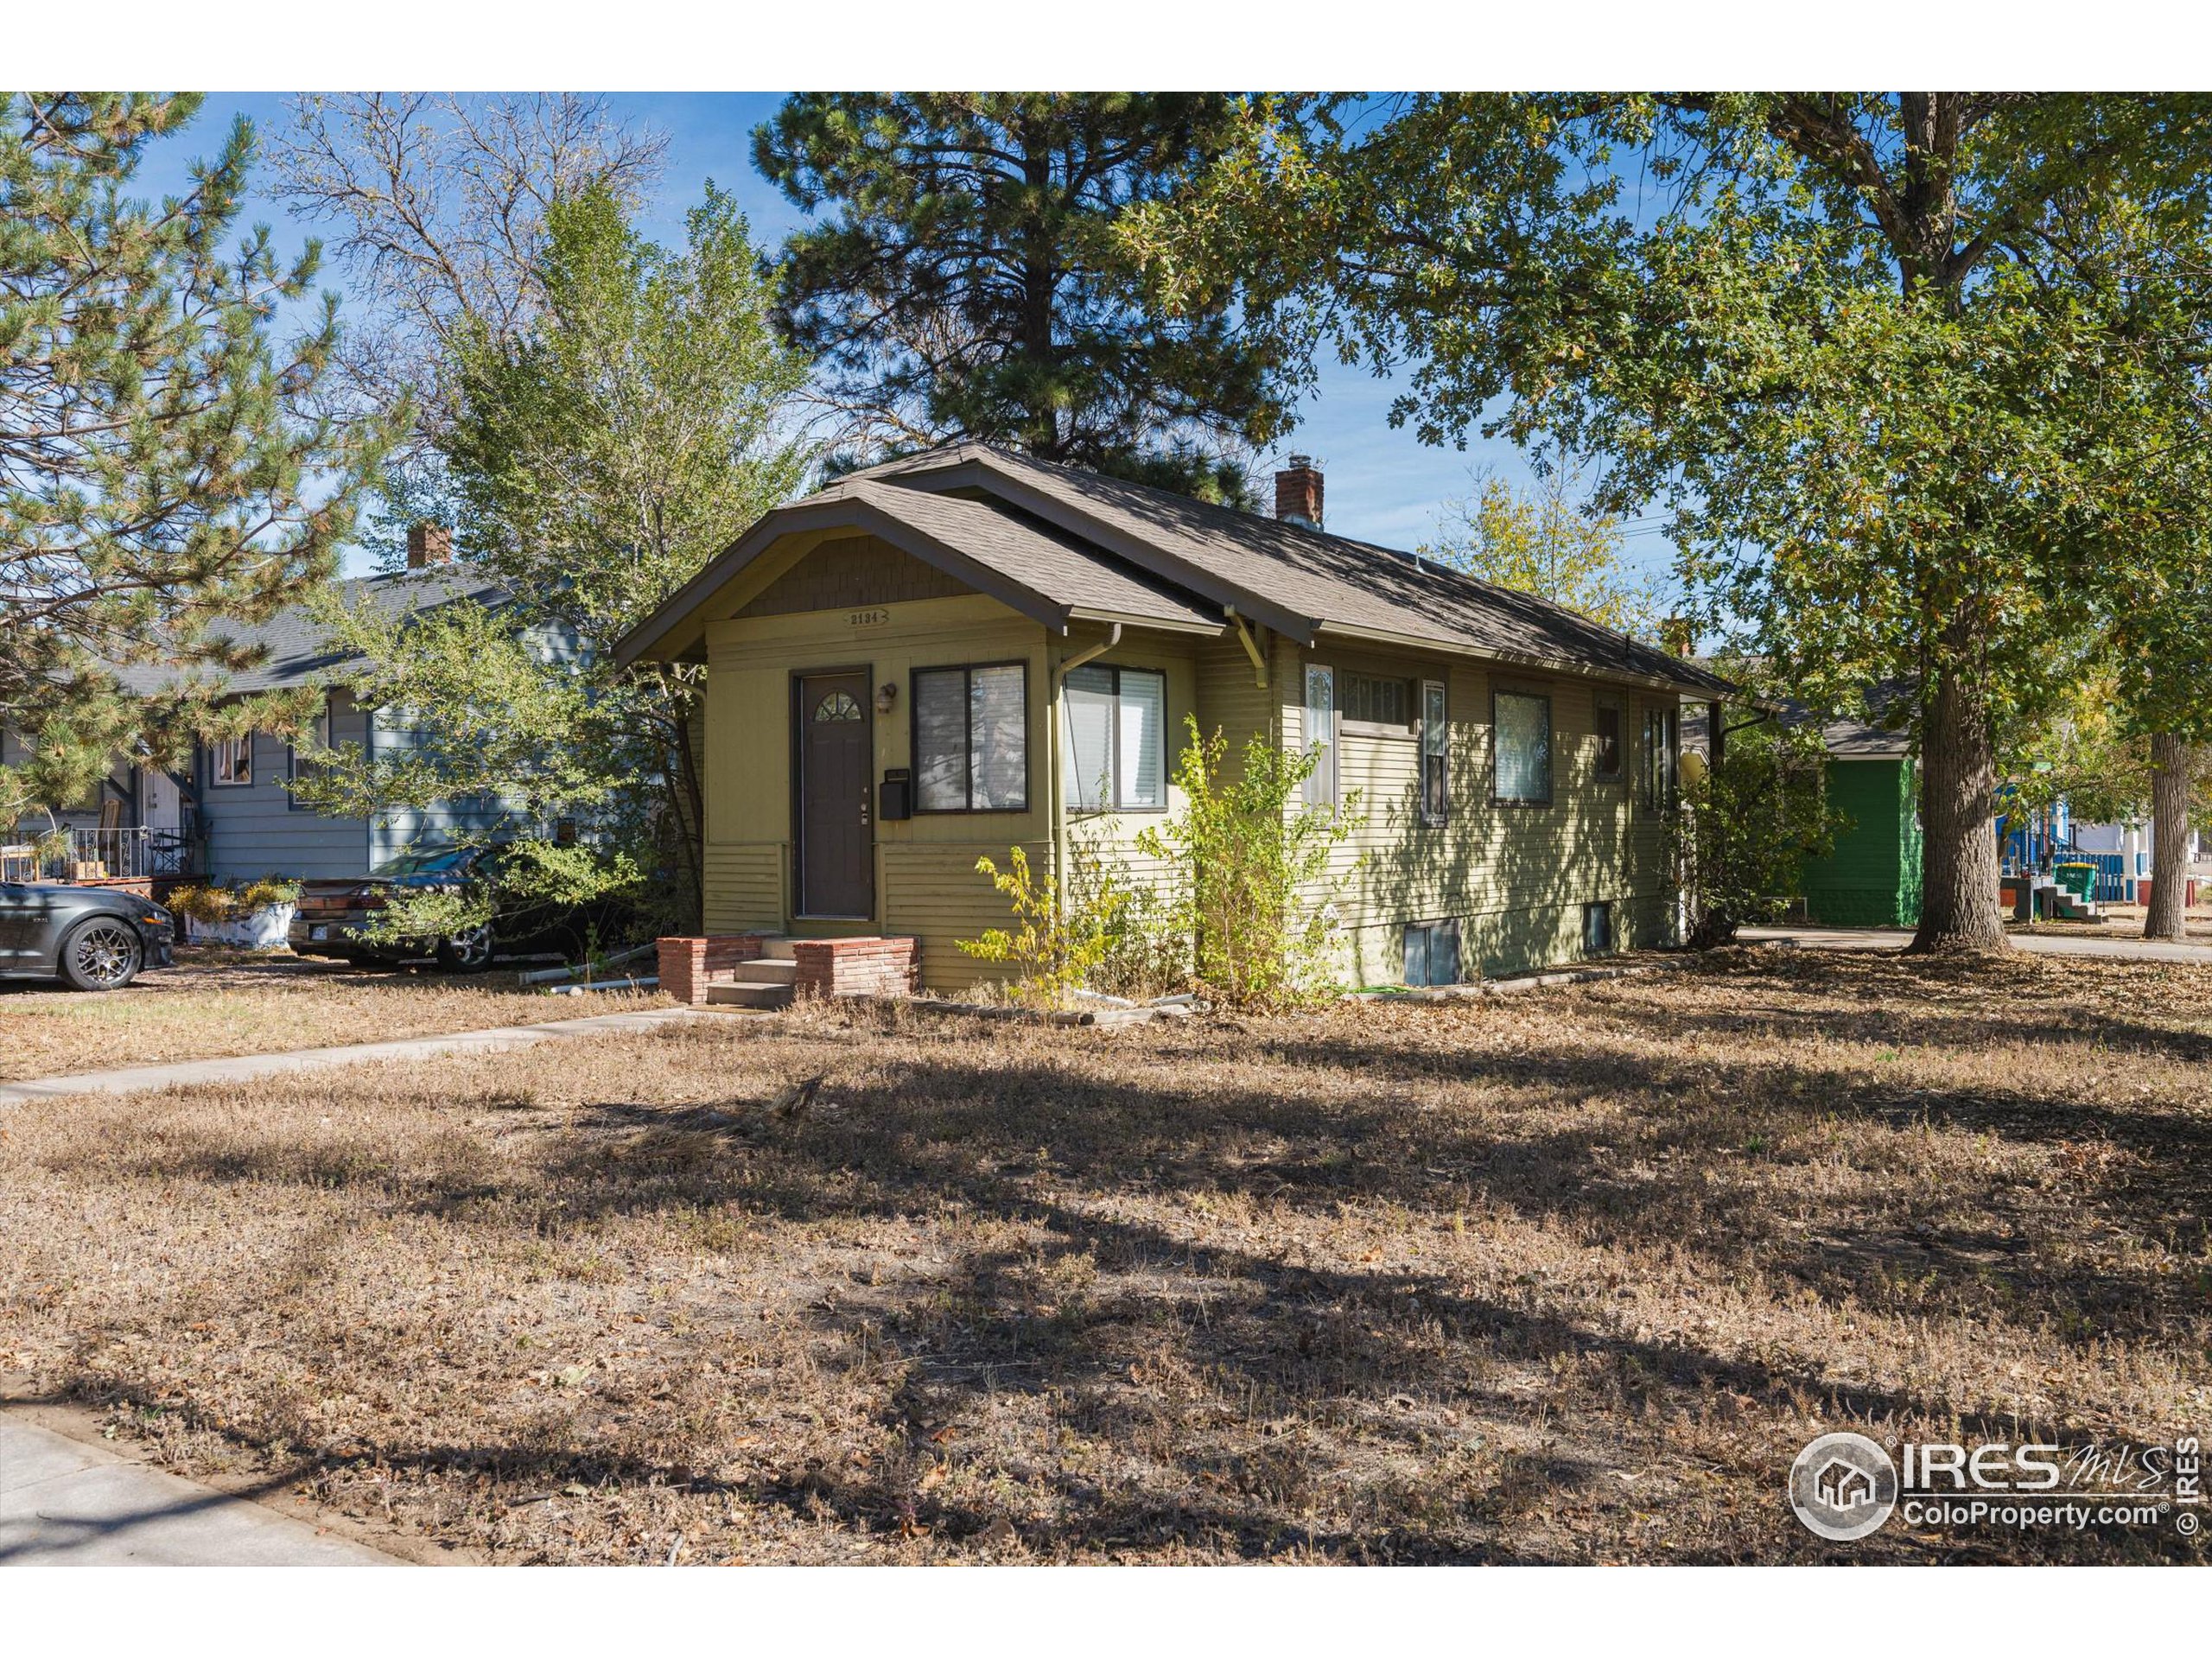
836	844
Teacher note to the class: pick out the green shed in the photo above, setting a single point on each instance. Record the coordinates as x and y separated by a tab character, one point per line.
1872	878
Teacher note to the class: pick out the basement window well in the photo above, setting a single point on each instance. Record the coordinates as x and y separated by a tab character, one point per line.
1598	929
1433	953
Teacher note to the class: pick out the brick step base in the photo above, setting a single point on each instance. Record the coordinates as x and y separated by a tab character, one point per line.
692	969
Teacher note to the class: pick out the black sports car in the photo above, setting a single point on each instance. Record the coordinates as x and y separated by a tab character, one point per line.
332	913
91	939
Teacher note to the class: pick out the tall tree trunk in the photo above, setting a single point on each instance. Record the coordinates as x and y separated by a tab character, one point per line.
1959	908
2170	770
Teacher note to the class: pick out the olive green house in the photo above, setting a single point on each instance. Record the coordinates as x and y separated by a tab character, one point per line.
967	651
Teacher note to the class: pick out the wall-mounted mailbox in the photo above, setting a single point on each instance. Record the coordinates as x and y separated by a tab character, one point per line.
895	800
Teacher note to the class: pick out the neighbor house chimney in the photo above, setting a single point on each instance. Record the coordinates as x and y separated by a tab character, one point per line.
1298	493
428	544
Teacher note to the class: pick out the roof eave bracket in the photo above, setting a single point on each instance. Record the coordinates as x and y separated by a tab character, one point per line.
1251	647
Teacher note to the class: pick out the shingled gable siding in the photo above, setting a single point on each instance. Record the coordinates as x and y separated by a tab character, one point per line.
1516	878
847	571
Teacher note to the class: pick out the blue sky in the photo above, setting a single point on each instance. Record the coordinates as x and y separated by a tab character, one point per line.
1383	484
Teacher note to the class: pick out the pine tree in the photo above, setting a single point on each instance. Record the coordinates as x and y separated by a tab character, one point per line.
160	483
966	282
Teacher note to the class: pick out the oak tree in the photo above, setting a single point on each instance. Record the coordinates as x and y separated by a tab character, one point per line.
1823	329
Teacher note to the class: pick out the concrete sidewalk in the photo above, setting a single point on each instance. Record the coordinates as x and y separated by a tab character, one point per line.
2041	944
180	1073
64	1503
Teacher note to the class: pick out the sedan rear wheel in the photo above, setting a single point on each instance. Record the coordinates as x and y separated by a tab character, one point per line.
102	954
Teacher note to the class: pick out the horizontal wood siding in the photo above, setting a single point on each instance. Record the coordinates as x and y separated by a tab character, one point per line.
744	886
1515	877
442	823
253	831
932	890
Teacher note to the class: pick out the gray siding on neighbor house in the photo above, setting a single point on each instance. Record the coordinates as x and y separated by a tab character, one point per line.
440	824
256	830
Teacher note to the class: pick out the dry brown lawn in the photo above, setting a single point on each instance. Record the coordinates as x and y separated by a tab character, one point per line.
1565	1277
216	1003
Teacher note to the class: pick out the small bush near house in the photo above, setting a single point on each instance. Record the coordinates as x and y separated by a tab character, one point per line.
530	874
1252	889
1244	913
1739	841
1148	953
1062	938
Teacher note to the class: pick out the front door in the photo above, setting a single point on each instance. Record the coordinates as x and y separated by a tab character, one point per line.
836	845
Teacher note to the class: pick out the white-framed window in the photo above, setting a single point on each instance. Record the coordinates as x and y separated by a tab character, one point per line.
230	761
1435	754
1321	734
1661	757
1114	738
1610	723
971	738
1521	736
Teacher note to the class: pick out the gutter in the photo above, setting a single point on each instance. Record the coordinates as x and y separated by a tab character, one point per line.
1522	659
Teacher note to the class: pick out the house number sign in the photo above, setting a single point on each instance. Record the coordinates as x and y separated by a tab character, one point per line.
874	619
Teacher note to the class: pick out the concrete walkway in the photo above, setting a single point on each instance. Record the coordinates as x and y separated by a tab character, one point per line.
132	1079
2041	944
64	1503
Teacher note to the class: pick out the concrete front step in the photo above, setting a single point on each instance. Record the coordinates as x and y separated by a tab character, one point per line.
768	970
750	996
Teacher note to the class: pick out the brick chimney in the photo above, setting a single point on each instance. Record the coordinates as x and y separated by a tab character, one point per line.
1298	493
428	544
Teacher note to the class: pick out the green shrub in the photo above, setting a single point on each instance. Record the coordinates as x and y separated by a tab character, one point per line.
1737	842
1242	909
1059	942
1251	890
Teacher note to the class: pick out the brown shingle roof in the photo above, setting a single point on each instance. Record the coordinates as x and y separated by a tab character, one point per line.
1039	557
1082	541
1323	581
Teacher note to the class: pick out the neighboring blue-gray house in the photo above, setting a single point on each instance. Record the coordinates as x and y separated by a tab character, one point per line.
229	815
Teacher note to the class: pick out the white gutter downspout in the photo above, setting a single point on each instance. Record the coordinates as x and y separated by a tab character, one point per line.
1059	790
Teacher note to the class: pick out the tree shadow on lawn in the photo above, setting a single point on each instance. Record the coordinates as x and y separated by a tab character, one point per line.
1336	1375
1295	1385
995	1137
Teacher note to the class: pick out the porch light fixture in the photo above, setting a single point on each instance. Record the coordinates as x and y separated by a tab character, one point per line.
886	695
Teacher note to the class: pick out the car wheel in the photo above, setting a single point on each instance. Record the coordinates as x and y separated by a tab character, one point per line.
104	954
469	951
